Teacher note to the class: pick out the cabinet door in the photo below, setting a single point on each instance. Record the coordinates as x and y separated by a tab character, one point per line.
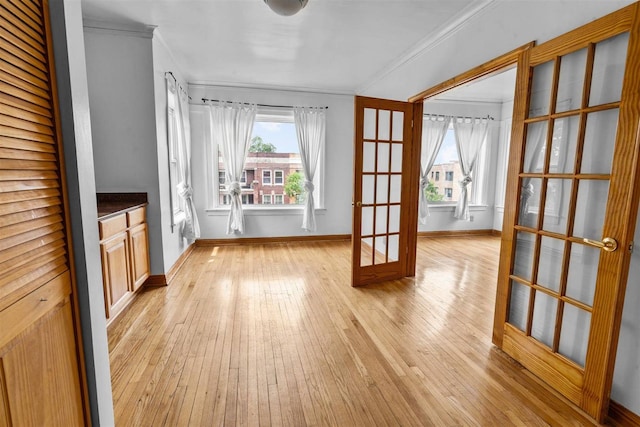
139	249
115	270
39	379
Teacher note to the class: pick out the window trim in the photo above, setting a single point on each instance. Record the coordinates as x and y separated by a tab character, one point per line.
275	174
173	149
270	177
264	196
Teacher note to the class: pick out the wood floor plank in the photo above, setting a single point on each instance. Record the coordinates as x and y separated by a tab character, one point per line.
275	335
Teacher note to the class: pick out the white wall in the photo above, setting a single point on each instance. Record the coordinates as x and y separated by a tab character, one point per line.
335	218
626	378
163	61
123	127
75	121
441	217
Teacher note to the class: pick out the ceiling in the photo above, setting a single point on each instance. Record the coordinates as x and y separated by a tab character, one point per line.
332	46
496	88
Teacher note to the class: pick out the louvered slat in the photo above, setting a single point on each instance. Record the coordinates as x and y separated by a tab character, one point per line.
24	95
6	99
13	291
24	145
43	238
52	251
33	7
26	164
11	186
13	25
24	125
13	55
18	217
12	153
34	86
34	17
21	44
21	19
29	203
25	115
26	175
20	196
8	233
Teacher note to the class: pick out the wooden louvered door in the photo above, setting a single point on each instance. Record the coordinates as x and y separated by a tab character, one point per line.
39	349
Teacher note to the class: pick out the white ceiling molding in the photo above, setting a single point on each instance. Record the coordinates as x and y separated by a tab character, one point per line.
432	40
142	31
209	84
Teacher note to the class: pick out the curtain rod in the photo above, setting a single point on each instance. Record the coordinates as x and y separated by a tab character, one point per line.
204	100
177	84
488	117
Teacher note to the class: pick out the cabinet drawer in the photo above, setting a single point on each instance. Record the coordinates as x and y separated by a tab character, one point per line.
136	216
112	226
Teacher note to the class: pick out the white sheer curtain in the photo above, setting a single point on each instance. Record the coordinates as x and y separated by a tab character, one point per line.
191	226
310	127
470	135
231	127
434	129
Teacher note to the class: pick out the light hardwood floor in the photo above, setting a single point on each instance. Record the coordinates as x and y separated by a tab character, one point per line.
275	335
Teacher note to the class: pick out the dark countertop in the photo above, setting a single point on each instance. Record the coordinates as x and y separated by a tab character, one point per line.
111	204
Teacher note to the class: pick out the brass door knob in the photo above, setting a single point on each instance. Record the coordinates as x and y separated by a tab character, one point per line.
608	244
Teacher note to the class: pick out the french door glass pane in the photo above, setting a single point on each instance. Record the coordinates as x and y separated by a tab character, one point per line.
382	189
599	140
608	70
366	226
368	189
523	259
384	123
394	243
574	335
369	123
570	83
396	189
544	318
541	89
396	158
383	157
590	208
519	305
381	219
398	126
556	207
535	147
550	263
366	248
563	144
583	272
394	219
530	202
381	250
368	157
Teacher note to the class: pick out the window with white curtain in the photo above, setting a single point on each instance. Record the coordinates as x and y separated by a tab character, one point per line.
177	202
273	158
443	187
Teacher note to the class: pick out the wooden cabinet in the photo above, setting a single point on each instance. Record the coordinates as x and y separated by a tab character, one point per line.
125	258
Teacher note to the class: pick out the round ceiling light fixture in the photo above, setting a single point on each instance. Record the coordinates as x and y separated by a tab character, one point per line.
286	7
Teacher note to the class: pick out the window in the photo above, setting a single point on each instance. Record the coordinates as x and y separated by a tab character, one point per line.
266	177
272	160
448	165
448	193
278	177
174	145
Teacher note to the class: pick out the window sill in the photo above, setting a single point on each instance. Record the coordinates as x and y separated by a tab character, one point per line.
264	211
452	207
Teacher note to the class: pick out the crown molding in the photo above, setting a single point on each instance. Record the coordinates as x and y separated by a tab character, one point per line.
430	41
257	86
129	30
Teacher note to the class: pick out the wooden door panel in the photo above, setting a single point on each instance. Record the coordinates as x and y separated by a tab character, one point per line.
40	366
383	193
115	261
572	183
139	255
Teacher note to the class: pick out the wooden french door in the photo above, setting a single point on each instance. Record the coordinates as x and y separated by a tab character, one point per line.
571	207
384	221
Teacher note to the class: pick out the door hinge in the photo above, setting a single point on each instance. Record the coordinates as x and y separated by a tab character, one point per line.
411	123
631	247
